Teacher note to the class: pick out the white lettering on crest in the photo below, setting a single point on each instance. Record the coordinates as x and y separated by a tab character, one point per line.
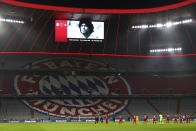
65	63
91	66
82	111
53	107
92	108
117	101
28	79
65	110
109	105
100	108
38	102
111	79
50	65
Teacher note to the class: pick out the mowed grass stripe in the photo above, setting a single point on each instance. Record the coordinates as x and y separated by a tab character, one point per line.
89	126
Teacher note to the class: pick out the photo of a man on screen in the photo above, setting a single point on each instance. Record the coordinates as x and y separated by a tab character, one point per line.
86	28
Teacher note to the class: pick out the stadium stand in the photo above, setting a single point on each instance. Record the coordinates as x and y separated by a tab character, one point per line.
140	107
16	110
188	106
165	106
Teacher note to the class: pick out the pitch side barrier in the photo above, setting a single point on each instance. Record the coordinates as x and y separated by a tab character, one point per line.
39	121
83	120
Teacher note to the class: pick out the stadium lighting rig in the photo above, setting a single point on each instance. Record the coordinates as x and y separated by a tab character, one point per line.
11	21
179	49
161	25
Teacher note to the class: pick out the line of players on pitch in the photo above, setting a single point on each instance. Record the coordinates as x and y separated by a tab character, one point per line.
181	118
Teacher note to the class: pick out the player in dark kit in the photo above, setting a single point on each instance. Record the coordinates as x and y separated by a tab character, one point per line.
101	119
167	118
113	118
145	118
175	118
128	118
181	118
96	119
187	118
106	119
154	119
134	119
120	119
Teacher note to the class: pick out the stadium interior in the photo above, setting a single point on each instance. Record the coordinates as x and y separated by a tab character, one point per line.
145	64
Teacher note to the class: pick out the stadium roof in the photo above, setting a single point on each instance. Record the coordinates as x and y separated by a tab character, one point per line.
101	4
83	6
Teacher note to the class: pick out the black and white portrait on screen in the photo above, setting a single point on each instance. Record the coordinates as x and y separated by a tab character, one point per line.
85	29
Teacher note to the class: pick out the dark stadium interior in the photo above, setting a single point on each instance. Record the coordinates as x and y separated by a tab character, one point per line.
119	36
37	72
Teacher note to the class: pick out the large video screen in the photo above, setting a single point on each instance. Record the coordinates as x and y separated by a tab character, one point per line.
83	30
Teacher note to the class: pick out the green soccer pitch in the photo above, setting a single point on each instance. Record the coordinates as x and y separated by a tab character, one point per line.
90	126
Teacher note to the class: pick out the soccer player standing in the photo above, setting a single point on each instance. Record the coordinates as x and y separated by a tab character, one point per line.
181	118
96	119
161	118
187	118
106	119
120	119
175	118
154	119
101	119
167	118
184	117
134	119
113	118
145	118
129	118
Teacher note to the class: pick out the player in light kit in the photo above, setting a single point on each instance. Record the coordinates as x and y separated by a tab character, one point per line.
154	119
175	118
120	119
161	118
167	118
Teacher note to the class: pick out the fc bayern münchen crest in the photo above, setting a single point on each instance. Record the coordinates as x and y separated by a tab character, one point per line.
56	84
